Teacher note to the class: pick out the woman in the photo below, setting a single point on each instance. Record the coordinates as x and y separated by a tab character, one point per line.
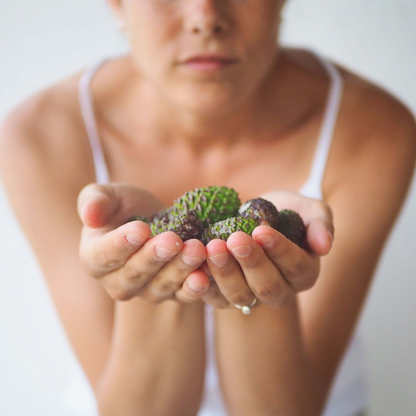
207	97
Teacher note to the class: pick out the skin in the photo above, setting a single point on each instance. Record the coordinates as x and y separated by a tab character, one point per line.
133	307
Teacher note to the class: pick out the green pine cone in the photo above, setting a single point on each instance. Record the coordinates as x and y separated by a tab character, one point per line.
292	226
262	211
223	229
211	204
161	215
187	225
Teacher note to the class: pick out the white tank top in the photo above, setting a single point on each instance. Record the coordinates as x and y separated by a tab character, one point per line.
349	391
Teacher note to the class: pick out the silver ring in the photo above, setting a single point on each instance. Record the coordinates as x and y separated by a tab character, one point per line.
247	309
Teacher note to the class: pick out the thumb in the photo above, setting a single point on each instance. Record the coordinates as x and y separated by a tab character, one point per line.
97	204
113	203
320	236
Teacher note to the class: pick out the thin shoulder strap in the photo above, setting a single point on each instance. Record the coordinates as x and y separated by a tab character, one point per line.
313	186
101	172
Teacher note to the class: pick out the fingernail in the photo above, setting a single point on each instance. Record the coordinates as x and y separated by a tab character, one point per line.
194	286
190	261
135	239
242	251
266	241
165	253
219	260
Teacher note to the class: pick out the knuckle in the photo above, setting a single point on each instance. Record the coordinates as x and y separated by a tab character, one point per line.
267	293
153	298
295	270
218	302
323	208
221	303
183	298
134	278
306	283
215	298
328	210
153	294
169	286
120	294
241	299
251	262
107	262
214	292
281	249
275	294
157	261
118	287
284	297
280	299
86	263
189	297
318	204
90	270
303	276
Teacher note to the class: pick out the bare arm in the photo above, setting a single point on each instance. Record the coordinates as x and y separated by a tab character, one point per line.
140	357
157	348
263	361
282	359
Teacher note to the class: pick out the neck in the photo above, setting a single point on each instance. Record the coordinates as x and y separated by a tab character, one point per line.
224	125
271	110
211	128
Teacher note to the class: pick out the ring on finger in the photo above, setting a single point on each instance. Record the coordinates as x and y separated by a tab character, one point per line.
246	310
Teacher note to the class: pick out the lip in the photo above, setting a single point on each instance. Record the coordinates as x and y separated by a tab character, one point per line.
208	62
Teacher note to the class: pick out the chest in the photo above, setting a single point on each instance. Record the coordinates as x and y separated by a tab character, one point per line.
251	169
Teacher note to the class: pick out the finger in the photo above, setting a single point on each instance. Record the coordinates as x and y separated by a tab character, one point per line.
298	267
262	275
97	204
214	297
319	236
126	282
318	219
114	203
102	253
316	214
227	273
196	285
177	277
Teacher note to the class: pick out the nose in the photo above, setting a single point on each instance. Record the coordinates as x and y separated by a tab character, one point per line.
206	18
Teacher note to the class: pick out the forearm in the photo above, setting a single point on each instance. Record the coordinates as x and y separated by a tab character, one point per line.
156	363
263	365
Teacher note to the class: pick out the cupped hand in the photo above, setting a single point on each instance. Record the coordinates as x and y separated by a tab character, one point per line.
267	265
124	256
316	214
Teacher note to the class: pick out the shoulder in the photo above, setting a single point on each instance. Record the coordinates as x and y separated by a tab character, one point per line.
40	117
366	181
370	166
44	133
45	159
375	137
373	115
369	116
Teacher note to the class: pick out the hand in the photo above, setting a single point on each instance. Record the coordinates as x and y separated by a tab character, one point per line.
267	265
124	257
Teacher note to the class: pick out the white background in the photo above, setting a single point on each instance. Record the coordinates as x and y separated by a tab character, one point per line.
43	41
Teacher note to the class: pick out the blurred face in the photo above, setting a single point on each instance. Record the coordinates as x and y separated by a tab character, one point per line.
202	54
